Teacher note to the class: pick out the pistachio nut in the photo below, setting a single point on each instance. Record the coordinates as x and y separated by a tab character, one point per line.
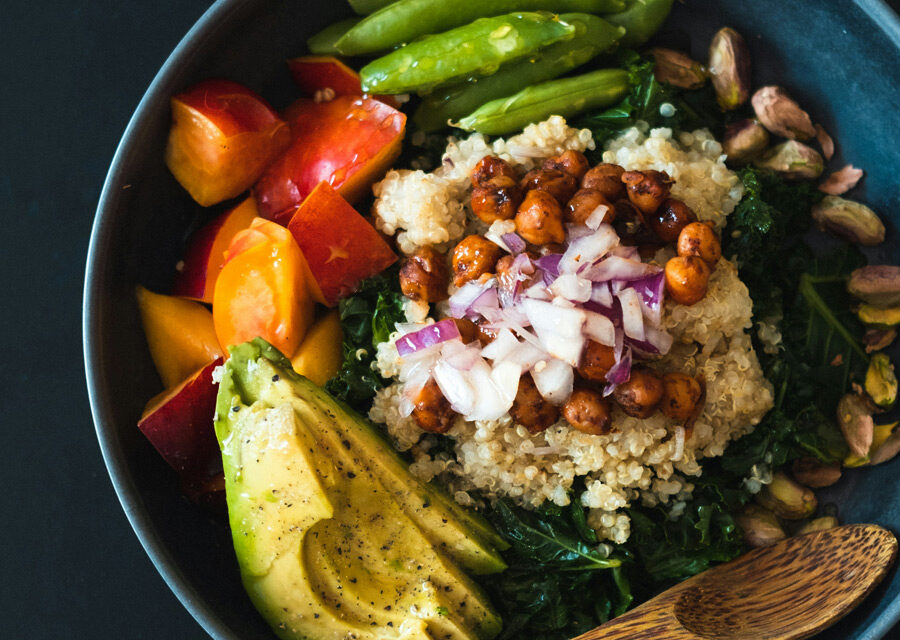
879	285
852	220
878	339
886	444
744	140
794	160
854	415
729	68
786	498
813	473
881	383
781	115
878	317
677	68
761	527
818	524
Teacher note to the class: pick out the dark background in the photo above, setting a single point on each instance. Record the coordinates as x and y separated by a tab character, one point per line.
71	75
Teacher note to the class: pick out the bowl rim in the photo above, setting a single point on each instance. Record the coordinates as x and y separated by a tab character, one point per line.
218	14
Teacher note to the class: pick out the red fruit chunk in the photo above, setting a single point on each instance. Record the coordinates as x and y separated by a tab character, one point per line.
340	245
320	73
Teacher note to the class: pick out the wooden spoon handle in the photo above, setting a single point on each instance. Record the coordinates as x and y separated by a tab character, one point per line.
650	621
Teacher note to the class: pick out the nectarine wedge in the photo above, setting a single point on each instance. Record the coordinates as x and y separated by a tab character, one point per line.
180	335
314	74
320	354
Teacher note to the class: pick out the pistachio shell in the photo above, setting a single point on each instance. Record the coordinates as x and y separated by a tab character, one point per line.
852	220
729	68
879	285
787	498
677	68
781	115
761	527
814	473
854	414
744	140
793	160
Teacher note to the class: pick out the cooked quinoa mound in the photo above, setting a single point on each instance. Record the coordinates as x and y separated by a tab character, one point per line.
649	460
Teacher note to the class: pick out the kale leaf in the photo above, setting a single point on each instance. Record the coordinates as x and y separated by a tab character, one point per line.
367	319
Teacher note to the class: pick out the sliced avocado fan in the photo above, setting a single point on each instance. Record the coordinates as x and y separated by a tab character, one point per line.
334	537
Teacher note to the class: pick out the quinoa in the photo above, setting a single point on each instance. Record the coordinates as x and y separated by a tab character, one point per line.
648	460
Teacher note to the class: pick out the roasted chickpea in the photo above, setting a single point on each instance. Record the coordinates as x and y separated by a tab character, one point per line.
596	361
530	409
490	167
588	411
647	189
424	276
539	219
468	330
584	203
497	199
681	393
671	217
432	411
607	179
572	162
558	184
699	239
640	396
473	257
687	278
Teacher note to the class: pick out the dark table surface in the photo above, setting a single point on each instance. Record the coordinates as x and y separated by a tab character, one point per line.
72	74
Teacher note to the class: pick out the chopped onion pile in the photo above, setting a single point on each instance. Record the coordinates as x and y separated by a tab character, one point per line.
543	312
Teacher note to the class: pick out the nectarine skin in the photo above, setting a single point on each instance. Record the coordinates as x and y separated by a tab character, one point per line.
205	254
320	73
179	424
348	142
223	136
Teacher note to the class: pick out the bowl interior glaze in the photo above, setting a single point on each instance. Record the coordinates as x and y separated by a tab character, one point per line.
840	59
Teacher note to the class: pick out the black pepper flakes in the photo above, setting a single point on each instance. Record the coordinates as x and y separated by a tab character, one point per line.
236	408
276	378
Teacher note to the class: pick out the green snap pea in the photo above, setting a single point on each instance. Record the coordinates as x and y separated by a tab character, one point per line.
406	20
566	97
365	7
641	19
593	36
478	48
322	43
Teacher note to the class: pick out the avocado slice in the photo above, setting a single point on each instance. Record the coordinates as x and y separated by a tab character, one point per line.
328	545
466	536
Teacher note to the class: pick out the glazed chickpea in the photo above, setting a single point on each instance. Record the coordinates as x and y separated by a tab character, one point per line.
596	361
473	257
687	278
530	409
669	220
584	203
424	276
468	331
558	184
432	411
640	396
588	411
681	394
539	219
647	189
607	179
490	167
700	239
497	199
572	162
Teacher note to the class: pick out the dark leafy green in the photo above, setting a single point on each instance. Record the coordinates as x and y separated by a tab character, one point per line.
367	319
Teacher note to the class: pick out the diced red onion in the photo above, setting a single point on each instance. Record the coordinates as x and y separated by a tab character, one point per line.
539	291
601	295
460	356
616	268
620	373
426	337
501	346
595	219
486	302
462	300
626	251
505	376
571	287
554	380
559	329
655	343
550	263
632	314
651	289
575	231
599	328
455	387
588	249
514	242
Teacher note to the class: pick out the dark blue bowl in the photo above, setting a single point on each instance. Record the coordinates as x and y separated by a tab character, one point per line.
841	59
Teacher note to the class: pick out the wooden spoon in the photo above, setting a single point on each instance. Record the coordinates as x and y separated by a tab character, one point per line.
788	591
